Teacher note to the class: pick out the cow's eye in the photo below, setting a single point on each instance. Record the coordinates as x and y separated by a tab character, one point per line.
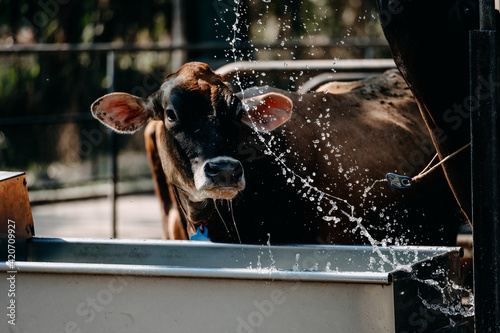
171	116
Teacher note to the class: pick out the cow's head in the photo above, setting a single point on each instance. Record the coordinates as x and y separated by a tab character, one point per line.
203	125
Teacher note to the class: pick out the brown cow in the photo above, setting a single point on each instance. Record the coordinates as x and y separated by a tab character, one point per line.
296	168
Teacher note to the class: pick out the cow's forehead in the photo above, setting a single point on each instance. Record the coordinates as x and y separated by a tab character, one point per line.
200	84
194	76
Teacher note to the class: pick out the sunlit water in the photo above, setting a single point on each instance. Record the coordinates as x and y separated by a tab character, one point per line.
335	208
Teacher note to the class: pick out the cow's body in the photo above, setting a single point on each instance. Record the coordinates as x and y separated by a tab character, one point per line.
316	178
430	45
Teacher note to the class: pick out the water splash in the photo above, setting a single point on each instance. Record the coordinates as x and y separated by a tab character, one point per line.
272	266
259	264
296	266
327	267
315	194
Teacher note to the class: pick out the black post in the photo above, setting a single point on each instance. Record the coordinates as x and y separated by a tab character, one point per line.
487	15
485	172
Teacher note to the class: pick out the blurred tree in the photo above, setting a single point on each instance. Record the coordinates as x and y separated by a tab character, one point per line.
50	83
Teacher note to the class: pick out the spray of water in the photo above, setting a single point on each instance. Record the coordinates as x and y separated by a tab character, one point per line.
448	288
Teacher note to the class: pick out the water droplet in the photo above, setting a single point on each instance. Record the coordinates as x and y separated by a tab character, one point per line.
296	265
327	267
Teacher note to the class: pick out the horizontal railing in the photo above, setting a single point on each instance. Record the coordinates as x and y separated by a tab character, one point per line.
363	43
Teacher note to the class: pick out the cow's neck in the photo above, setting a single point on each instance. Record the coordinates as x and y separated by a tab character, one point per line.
193	213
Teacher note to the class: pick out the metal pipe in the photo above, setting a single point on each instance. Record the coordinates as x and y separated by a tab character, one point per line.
244	68
47	119
203	273
159	47
485	143
112	150
179	56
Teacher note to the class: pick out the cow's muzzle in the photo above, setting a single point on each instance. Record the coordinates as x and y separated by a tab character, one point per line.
223	178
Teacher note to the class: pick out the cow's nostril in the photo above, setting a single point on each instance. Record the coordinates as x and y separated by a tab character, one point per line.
211	169
224	172
230	167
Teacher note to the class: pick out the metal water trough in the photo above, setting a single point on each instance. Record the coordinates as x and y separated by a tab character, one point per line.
94	285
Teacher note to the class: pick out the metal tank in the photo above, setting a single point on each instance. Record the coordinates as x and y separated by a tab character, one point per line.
101	285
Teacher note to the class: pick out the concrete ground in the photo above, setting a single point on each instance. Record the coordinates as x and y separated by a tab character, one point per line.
138	217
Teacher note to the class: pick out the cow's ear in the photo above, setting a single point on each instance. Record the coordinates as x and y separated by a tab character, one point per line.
122	112
267	112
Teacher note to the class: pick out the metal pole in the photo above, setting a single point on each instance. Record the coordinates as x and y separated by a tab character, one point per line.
178	34
112	151
487	15
198	47
485	171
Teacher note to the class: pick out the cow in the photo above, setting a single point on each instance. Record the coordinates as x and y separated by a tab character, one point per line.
433	57
266	165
